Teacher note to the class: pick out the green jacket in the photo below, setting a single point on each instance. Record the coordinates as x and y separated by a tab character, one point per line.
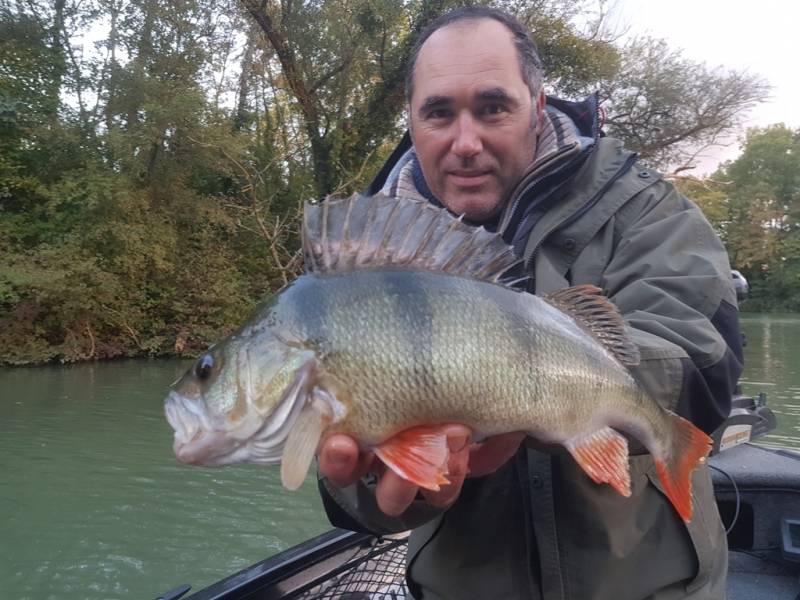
538	527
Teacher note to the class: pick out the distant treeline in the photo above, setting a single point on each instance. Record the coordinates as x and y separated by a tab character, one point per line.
154	155
754	204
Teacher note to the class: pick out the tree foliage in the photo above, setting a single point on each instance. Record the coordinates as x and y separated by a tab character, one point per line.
754	202
154	155
669	108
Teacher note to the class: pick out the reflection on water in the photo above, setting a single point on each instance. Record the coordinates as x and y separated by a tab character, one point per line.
94	506
772	366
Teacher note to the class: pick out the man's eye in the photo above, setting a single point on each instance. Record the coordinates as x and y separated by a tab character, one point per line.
493	109
439	113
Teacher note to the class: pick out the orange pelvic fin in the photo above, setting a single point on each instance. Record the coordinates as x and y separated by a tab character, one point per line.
603	455
690	446
419	455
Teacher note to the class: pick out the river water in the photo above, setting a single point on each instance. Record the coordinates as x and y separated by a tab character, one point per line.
94	506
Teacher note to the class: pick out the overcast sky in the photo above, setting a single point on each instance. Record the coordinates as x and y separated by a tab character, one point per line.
761	37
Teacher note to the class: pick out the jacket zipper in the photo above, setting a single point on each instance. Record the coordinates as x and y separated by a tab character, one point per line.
511	215
559	153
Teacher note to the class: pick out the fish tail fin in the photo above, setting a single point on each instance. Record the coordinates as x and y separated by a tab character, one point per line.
688	448
418	455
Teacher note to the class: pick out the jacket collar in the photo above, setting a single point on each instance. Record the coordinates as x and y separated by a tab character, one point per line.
568	137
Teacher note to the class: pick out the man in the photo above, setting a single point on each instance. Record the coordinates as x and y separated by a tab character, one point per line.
518	520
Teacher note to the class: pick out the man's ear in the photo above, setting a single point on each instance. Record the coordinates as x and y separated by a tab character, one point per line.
541	100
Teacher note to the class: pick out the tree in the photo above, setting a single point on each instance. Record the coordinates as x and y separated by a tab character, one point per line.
347	77
151	181
31	67
762	228
669	108
117	242
574	59
711	196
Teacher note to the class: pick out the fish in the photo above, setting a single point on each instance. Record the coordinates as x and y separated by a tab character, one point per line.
406	319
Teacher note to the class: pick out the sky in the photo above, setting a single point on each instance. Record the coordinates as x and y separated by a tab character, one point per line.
760	37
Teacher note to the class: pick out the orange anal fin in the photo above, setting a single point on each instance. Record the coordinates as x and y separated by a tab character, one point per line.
603	455
419	455
689	449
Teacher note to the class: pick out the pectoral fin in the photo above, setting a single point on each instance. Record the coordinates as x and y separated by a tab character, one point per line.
603	455
418	455
302	441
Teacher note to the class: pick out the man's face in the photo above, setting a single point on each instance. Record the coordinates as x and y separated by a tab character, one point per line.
472	117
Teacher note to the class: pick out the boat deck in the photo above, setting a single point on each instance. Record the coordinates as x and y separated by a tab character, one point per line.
754	578
767	484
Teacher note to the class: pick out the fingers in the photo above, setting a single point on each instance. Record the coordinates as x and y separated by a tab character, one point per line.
394	494
493	453
341	462
457	436
457	468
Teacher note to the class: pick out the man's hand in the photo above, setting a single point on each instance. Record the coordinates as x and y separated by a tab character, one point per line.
342	464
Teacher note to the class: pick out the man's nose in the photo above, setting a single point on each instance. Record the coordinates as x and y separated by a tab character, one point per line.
467	140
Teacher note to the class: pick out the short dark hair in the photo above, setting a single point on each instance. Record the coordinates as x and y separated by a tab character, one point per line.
529	62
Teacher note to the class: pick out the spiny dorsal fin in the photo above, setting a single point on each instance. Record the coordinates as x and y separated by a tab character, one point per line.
591	309
346	234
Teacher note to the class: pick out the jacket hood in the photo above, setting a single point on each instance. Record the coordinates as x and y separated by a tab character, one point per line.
585	114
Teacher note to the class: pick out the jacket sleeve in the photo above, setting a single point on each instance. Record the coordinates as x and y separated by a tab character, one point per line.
356	509
670	278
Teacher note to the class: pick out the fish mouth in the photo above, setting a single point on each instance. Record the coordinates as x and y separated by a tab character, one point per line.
255	440
195	441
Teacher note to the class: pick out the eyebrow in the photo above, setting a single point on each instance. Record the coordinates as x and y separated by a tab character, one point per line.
495	94
433	102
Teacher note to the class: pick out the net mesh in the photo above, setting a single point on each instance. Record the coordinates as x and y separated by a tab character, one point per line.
373	572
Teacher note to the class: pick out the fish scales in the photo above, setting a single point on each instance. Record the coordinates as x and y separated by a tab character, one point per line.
417	347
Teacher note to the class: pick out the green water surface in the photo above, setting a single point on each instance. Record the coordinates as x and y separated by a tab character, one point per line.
94	505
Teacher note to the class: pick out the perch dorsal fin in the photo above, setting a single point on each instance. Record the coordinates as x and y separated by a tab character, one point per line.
598	315
359	232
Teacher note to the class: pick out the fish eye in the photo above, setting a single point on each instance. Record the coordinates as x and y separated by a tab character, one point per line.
204	366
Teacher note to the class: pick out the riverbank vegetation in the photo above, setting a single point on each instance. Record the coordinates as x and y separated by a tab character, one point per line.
154	155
